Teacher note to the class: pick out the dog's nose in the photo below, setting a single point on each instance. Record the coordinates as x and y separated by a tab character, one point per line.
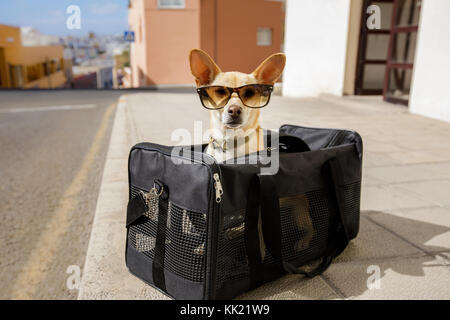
234	111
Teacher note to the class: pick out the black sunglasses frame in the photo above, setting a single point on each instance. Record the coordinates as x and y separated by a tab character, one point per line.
268	87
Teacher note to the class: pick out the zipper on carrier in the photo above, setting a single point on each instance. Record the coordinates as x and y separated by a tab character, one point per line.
218	187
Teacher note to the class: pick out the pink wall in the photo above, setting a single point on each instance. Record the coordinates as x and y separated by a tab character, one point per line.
236	32
168	36
208	26
227	32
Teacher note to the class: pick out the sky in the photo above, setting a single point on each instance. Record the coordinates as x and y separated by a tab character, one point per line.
49	16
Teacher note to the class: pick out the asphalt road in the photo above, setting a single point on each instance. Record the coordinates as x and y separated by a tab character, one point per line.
52	150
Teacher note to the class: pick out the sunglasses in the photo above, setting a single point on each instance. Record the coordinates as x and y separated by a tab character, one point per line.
251	95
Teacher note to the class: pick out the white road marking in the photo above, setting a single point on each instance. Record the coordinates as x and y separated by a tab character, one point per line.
50	108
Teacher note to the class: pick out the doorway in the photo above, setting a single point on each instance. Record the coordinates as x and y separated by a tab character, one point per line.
373	49
386	54
402	48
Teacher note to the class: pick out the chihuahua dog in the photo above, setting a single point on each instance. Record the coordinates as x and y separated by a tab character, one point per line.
234	99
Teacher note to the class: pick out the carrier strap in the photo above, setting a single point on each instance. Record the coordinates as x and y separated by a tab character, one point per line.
251	234
271	223
160	243
333	172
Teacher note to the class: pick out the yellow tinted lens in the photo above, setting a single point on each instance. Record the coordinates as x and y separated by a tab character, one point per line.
254	96
215	97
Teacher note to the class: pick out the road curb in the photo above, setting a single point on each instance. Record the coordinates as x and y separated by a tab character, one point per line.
105	275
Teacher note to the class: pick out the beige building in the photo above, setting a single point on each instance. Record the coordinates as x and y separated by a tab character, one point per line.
29	67
237	34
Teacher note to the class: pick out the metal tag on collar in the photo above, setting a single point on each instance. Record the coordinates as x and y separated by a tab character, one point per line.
215	144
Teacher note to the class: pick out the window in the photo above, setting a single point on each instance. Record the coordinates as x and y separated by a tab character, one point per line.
264	37
373	49
171	4
402	47
60	64
46	67
33	72
16	76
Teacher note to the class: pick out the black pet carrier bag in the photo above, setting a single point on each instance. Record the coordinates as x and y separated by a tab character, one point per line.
198	229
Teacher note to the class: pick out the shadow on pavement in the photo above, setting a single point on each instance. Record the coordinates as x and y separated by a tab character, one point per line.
350	268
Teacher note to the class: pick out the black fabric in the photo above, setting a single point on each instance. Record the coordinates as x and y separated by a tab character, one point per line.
324	138
196	248
333	172
176	286
160	243
135	209
292	144
251	235
270	215
185	177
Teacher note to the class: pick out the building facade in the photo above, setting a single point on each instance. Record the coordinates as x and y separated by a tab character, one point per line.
393	48
29	67
237	34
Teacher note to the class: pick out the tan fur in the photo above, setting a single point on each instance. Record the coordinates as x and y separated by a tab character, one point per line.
206	72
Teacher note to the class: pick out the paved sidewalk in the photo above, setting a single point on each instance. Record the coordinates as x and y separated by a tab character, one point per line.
405	223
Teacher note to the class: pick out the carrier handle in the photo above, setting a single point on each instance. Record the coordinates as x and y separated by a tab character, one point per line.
251	234
271	223
333	172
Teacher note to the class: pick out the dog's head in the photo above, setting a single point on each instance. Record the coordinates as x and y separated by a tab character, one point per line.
228	108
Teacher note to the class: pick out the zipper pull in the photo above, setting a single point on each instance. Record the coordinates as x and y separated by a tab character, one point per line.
218	187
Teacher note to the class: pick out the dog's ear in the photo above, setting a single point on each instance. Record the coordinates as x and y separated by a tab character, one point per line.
203	67
269	71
